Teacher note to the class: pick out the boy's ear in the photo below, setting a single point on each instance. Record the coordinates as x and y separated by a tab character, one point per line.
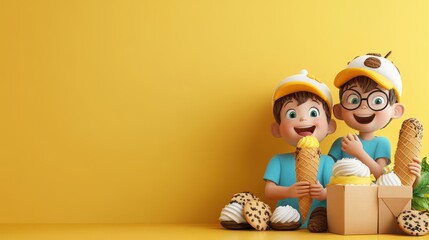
275	129
337	111
332	126
398	110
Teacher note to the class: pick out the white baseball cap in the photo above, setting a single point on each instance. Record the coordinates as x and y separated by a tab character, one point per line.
378	68
303	82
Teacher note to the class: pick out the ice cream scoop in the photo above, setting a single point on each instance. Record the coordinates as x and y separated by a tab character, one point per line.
308	142
232	212
350	167
284	214
389	179
350	171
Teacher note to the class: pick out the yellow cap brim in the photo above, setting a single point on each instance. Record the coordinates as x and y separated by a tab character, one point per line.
349	73
293	87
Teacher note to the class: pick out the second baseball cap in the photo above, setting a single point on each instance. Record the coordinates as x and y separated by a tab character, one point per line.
303	82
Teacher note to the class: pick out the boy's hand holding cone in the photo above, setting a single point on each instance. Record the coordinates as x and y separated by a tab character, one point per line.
307	165
409	145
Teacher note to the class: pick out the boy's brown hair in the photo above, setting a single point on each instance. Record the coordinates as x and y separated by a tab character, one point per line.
367	84
300	97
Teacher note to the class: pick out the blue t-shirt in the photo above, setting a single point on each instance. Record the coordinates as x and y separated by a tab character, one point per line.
378	147
281	171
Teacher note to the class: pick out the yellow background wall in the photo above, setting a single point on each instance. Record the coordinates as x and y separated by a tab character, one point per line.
158	111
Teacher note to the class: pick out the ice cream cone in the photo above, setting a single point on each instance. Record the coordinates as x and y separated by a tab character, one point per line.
409	145
307	165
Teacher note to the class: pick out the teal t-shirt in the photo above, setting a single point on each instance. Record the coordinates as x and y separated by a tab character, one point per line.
378	147
281	171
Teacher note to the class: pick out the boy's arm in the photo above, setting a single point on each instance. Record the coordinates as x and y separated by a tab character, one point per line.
335	151
383	149
275	192
353	146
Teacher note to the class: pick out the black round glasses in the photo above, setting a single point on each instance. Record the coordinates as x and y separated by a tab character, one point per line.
376	100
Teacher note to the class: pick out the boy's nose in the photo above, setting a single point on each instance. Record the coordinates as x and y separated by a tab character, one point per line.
303	119
364	103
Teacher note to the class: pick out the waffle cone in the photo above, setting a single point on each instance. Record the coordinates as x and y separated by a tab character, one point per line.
409	145
307	166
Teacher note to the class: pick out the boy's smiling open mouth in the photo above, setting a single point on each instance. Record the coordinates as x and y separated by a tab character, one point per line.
364	119
305	131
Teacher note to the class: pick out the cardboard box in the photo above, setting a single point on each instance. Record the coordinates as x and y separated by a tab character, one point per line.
352	209
392	200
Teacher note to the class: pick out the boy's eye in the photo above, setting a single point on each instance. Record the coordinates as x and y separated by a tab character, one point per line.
313	112
378	101
353	99
291	114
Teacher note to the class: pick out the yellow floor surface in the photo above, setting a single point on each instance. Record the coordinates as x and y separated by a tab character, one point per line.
165	231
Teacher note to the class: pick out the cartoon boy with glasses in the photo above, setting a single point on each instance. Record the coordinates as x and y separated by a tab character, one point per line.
370	91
